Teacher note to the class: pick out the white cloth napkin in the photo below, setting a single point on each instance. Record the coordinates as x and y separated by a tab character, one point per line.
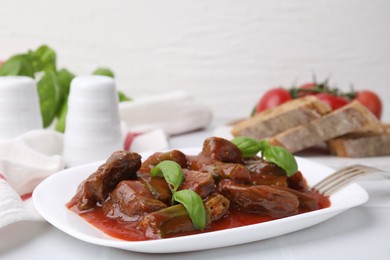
154	140
175	113
24	162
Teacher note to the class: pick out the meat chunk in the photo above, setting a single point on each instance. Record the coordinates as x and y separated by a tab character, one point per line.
157	186
266	173
121	165
297	182
200	182
175	219
306	201
260	199
222	150
156	158
220	170
130	200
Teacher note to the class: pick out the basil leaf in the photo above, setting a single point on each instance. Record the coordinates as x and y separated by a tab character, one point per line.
248	146
194	206
104	72
282	158
61	122
122	97
18	65
172	173
49	93
65	77
156	172
44	58
263	145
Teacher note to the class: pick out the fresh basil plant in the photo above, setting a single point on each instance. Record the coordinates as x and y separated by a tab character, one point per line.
53	83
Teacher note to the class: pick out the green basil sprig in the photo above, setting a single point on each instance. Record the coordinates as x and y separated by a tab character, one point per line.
282	158
104	72
172	173
194	206
193	203
248	146
275	154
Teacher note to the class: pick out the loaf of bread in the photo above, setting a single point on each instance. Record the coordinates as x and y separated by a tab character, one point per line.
373	140
281	118
351	118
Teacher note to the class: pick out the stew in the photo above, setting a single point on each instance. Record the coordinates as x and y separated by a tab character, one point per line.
124	200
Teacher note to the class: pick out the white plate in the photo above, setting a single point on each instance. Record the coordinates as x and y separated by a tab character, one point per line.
54	192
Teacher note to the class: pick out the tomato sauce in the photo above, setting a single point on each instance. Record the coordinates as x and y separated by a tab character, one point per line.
126	230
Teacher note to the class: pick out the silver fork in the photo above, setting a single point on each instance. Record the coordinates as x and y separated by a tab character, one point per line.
345	176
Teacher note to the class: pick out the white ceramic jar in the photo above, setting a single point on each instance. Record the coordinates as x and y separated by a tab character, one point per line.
93	129
19	106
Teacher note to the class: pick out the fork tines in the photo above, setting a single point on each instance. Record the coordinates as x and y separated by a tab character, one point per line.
340	178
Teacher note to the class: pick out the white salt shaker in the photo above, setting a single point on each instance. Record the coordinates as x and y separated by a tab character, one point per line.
93	129
19	106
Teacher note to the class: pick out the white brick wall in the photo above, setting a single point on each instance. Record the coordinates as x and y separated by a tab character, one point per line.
225	52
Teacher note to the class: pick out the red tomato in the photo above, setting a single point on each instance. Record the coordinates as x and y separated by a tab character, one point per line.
371	101
273	98
335	102
307	89
309	85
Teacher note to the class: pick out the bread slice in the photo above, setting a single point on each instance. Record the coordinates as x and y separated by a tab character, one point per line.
371	141
275	120
350	118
